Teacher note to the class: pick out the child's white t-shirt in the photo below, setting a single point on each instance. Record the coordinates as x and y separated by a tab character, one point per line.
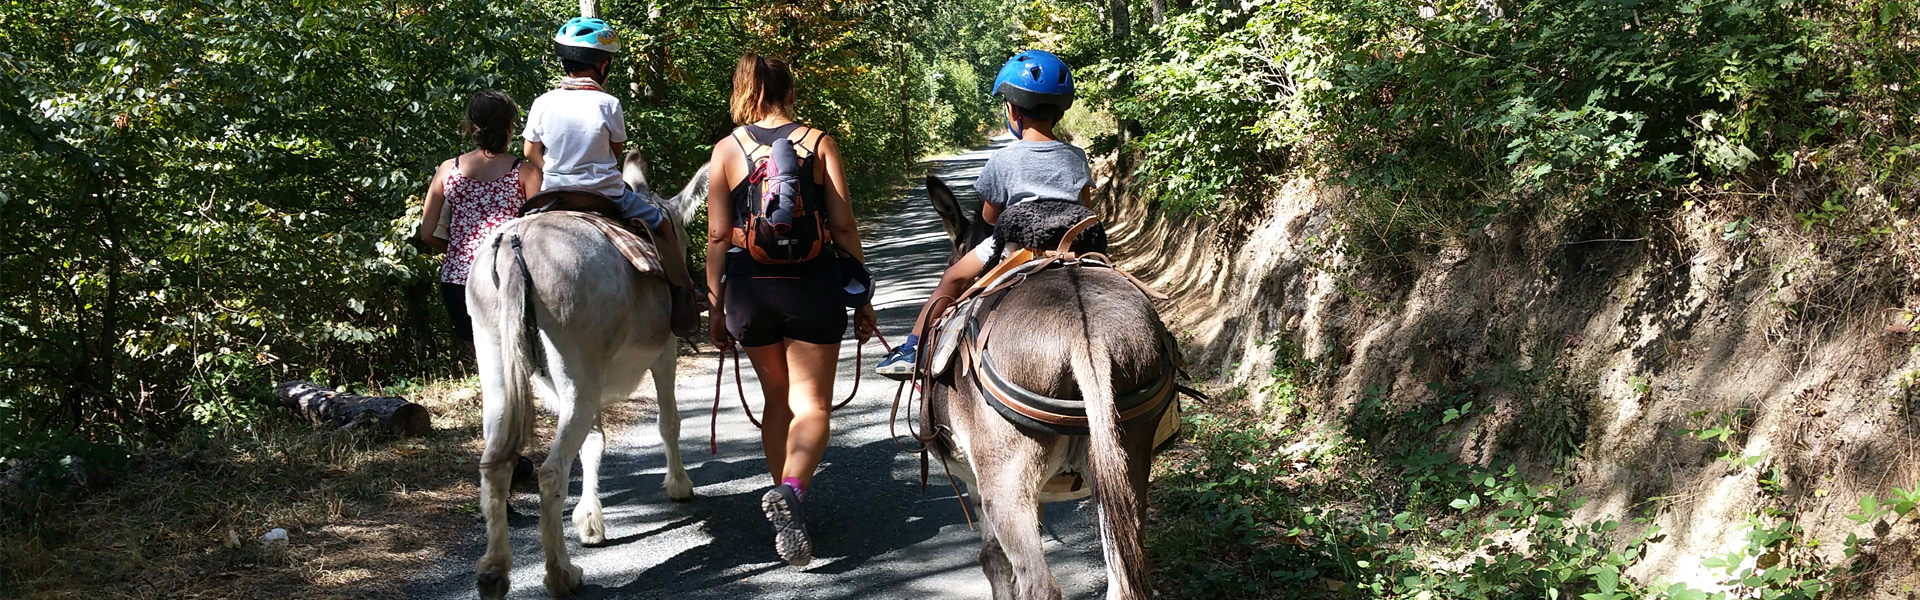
578	128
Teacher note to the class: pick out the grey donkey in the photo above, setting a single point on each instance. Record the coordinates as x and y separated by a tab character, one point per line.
564	310
1070	332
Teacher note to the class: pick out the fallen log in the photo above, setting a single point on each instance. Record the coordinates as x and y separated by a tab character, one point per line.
392	414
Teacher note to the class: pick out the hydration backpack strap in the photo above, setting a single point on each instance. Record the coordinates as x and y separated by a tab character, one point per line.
745	154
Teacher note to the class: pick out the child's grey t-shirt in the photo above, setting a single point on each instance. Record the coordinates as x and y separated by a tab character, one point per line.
1027	170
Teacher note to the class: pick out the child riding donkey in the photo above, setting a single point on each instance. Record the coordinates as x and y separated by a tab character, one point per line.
1038	88
577	133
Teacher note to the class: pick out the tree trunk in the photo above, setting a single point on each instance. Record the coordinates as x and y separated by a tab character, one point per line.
1122	29
1159	12
589	8
389	413
905	132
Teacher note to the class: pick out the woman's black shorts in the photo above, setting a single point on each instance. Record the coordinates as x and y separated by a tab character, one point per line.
768	303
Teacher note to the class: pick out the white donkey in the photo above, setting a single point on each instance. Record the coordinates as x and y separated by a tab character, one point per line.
563	309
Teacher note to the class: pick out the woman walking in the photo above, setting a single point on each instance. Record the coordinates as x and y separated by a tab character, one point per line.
783	306
471	195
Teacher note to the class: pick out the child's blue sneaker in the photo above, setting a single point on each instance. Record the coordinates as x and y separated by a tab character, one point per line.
899	364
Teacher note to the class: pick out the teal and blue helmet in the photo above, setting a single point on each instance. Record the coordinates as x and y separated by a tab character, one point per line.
586	39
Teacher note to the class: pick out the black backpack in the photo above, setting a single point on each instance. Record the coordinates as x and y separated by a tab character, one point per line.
777	224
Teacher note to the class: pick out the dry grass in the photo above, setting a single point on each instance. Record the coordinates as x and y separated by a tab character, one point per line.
363	511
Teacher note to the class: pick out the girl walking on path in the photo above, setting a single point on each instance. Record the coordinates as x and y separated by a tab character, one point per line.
789	317
476	192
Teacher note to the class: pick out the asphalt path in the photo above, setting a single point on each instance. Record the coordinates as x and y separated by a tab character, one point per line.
875	534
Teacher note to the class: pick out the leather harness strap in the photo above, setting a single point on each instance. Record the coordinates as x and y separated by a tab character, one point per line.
1066	240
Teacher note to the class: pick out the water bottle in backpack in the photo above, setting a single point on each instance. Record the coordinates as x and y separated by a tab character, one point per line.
779	224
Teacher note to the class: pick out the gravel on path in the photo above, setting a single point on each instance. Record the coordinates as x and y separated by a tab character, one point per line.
875	534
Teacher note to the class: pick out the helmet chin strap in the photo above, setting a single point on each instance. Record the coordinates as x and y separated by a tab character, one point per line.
1013	123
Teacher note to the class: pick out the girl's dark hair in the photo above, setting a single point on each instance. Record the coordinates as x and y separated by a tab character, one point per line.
762	87
490	117
1039	224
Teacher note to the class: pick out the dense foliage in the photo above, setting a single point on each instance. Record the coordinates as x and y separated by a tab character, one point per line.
206	197
1439	116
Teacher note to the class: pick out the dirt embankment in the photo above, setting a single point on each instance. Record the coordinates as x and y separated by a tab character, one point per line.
1597	356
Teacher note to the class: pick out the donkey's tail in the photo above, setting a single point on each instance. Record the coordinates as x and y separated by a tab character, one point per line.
508	420
1114	495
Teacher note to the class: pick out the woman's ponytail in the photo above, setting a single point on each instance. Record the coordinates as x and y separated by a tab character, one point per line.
762	87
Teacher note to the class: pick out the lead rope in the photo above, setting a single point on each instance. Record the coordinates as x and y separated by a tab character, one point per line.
713	418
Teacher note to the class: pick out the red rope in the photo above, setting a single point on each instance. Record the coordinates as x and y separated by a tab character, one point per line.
713	418
742	390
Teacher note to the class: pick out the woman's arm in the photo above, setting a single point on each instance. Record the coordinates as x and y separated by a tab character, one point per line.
846	232
436	202
719	240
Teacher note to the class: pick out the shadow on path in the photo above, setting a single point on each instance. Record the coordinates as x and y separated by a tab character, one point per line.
875	534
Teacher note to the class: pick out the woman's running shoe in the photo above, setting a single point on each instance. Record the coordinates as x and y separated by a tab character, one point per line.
790	539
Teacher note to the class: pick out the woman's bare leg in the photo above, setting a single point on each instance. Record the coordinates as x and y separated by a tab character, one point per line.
770	364
809	402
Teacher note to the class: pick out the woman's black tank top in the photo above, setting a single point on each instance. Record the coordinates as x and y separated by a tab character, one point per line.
812	192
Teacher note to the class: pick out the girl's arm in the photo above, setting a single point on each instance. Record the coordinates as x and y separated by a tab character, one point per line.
719	240
990	212
536	153
531	178
436	202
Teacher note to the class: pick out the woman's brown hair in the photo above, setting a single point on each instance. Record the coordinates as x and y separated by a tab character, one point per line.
762	87
490	117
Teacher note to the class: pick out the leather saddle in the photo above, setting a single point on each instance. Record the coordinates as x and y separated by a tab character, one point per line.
633	241
964	333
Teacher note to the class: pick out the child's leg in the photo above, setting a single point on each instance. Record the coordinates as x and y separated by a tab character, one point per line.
673	258
952	283
900	363
673	255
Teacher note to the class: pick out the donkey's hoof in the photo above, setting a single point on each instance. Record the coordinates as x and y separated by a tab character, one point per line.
493	585
593	535
566	586
679	489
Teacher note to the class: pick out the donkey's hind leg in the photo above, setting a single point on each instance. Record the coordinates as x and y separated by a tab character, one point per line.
575	410
496	476
1011	552
679	486
496	468
588	522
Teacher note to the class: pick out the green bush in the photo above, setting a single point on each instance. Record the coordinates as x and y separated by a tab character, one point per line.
1594	107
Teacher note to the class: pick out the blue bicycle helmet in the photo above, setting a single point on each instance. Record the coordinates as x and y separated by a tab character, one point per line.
1035	79
587	40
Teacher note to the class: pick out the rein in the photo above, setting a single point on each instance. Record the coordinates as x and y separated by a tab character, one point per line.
713	421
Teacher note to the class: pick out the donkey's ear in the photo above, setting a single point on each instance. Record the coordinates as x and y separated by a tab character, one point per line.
634	171
952	216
